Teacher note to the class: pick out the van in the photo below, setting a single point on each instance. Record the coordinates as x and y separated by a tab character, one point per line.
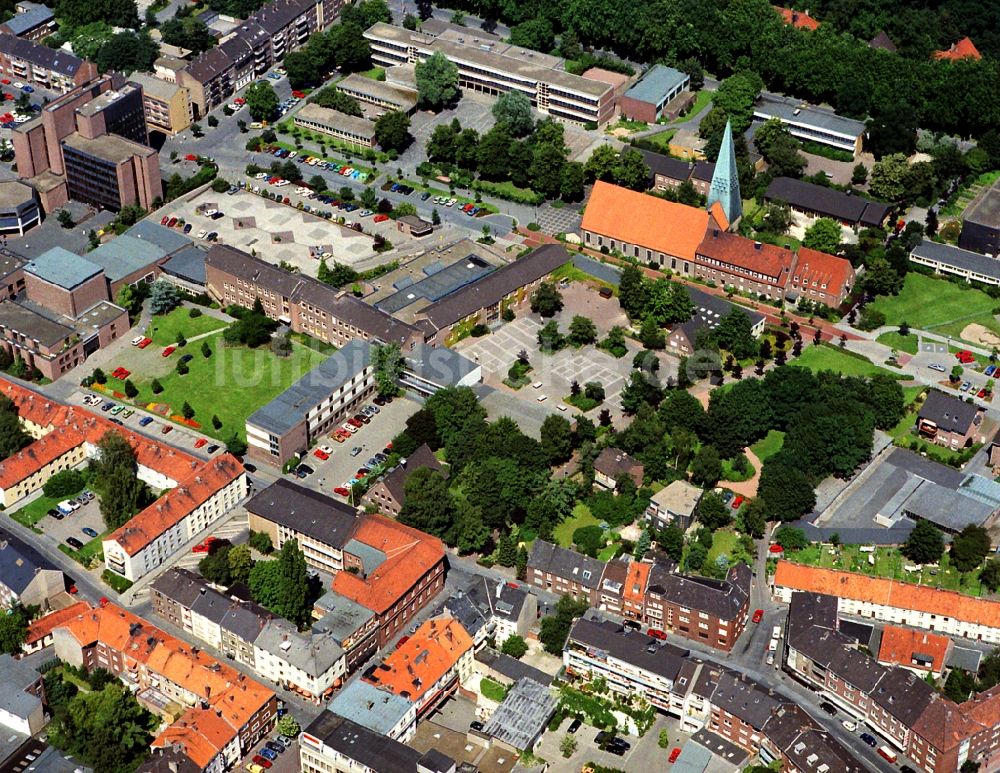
776	632
886	753
772	645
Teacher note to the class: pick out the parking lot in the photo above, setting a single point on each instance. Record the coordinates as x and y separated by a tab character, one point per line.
644	754
284	762
371	438
72	525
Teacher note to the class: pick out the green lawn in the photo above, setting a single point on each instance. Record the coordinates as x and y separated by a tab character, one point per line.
730	473
232	383
35	510
899	342
492	690
661	140
701	99
890	563
968	193
563	533
938	305
94	549
164	329
823	357
375	73
770	445
911	393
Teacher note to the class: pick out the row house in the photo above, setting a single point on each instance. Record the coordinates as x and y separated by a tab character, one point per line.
38	65
730	260
700	694
212	712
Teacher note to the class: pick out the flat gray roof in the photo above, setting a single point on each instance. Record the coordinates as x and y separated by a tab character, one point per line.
109	147
379	90
126	255
103	101
28	322
61	267
770	105
13	193
188	263
337	120
658	81
956	257
291	406
370	706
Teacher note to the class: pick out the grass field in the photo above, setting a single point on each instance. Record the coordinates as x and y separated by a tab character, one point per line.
701	99
563	533
232	383
889	563
164	330
769	445
661	140
823	357
35	510
94	549
899	342
911	393
938	305
968	193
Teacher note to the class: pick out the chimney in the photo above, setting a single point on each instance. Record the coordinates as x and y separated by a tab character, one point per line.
757	245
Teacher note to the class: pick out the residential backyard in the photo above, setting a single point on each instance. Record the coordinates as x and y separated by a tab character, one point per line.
825	357
231	383
581	516
889	563
938	305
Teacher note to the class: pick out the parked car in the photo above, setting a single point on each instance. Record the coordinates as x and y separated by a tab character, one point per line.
212	448
674	754
656	633
849	725
342	491
145	421
574	725
829	708
937	367
869	739
200	442
167	429
89	532
168	351
74	543
758	615
303	470
275	747
264	762
319	453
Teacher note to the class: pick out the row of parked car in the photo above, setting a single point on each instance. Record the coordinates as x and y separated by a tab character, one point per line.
269	753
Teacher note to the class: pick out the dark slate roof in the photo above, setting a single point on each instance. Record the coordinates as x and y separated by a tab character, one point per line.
722	598
882	41
903	694
274	17
665	166
245	620
810	609
614	462
29	20
358	743
807	745
632	647
395	481
510	667
709	309
188	263
568	564
19	562
956	257
305	511
54	59
836	652
742	697
827	201
239	263
491	288
949	413
180	585
703	171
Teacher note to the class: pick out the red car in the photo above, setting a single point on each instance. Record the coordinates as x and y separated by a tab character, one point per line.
264	762
321	454
674	754
298	94
168	351
166	430
964	356
204	547
73	590
103	601
122	373
758	615
355	422
981	393
381	218
239	101
737	502
172	222
341	491
5	81
190	157
200	442
165	219
656	633
144	343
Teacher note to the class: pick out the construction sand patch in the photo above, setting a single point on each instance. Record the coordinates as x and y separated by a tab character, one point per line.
979	334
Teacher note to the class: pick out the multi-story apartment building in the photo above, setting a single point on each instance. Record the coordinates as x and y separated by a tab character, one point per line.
892	601
496	610
167	106
115	111
334	744
304	303
52	68
494	67
376	708
429	666
19	208
702	695
223	713
155	534
713	612
314	405
31	22
386	567
340	126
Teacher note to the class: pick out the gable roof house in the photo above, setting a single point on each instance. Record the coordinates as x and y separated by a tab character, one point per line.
563	571
731	260
389	492
709	310
612	463
950	421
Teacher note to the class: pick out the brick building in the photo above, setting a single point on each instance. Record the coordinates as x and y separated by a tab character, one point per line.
389	493
25	60
950	421
730	260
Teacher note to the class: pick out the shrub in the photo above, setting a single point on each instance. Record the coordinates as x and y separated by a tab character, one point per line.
64	484
194	313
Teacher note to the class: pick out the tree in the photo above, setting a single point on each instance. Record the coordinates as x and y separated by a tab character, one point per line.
206	350
859	175
786	490
568	746
888	177
12	435
522	563
777	218
428	503
695	558
513	110
387	361
713	512
671	541
555	628
602	165
706	469
128	52
969	547
823	235
131	390
287	726
791	538
557	438
155	386
652	336
546	300
335	99
187	411
582	331
514	646
187	32
871	318
236	445
574	178
437	81
65	218
163	297
990	575
240	562
779	149
14	629
64	483
925	544
641	389
631	170
262	102
392	130
546	169
507	550
734	333
261	542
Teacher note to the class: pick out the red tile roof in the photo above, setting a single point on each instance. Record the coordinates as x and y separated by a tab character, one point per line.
837	274
648	221
757	257
231	699
43	626
409	555
899	645
719	214
963	49
177	503
636	581
945	725
891	593
428	655
798	19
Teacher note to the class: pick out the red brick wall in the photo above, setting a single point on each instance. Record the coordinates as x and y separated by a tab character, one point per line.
637	110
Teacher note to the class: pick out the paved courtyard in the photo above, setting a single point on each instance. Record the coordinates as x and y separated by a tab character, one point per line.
273	231
562	220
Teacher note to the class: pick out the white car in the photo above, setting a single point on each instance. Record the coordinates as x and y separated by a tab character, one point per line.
18	85
68	506
326	450
137	340
350	428
260	175
451	202
849	725
293	154
202	233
